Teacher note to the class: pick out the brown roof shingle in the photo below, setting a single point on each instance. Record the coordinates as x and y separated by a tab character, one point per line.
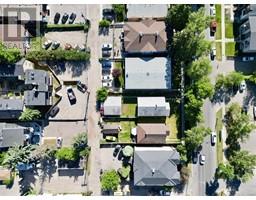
145	36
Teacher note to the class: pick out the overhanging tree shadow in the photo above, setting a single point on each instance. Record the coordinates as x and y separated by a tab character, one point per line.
211	187
27	181
233	186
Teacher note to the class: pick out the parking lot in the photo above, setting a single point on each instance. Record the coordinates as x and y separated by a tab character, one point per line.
108	161
78	9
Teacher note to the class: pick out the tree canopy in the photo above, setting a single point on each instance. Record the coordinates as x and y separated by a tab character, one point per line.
102	94
225	171
199	68
119	10
109	180
67	154
230	80
9	55
30	114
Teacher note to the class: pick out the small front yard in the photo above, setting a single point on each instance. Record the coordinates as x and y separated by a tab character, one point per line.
171	123
218	128
218	20
125	135
129	110
218	51
230	49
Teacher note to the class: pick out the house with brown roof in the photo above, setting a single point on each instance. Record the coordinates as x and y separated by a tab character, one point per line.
151	133
147	36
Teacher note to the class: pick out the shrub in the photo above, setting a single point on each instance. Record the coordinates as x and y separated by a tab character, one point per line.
102	94
119	10
67	154
30	114
104	23
9	55
67	27
110	180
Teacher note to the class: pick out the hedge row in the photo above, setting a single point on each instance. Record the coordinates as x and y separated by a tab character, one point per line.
59	54
67	27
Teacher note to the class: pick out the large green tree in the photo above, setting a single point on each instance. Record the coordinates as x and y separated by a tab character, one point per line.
119	10
67	154
203	88
102	94
244	163
178	15
30	114
230	80
195	137
109	180
199	68
9	55
225	171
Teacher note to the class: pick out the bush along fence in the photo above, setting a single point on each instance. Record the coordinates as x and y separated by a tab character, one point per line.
66	27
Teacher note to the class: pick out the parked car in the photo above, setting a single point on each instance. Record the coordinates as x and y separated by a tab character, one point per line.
81	86
213	26
68	46
213	138
47	44
202	159
106	64
59	142
111	138
195	157
212	10
54	111
56	18
71	94
55	45
247	59
117	149
64	18
107	78
254	112
107	84
164	193
106	46
213	53
72	18
106	53
108	14
242	86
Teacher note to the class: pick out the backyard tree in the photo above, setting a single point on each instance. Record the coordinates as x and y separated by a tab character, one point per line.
67	154
177	16
195	137
225	171
30	114
116	73
102	94
109	180
119	10
183	152
244	164
199	68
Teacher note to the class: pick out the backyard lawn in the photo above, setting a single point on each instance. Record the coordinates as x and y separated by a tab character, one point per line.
129	110
218	51
230	49
229	33
218	128
171	123
218	19
125	135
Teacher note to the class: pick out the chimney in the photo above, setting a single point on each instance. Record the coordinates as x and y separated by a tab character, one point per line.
156	106
156	36
153	171
140	34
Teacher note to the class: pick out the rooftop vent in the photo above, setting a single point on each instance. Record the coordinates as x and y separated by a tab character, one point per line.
153	171
147	73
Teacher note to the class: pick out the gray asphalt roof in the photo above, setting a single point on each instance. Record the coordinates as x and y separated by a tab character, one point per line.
146	10
12	70
147	73
252	21
11	135
156	166
153	106
10	108
112	105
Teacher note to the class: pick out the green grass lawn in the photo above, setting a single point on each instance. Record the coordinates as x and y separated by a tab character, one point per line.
218	51
129	110
171	123
230	49
229	33
218	128
125	135
218	19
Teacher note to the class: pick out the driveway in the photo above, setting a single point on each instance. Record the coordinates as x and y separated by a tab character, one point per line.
78	9
66	130
108	161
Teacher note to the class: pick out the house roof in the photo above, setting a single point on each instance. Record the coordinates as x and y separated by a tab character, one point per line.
112	105
146	10
145	130
155	73
153	106
156	166
145	36
5	174
12	70
11	135
110	129
10	108
252	21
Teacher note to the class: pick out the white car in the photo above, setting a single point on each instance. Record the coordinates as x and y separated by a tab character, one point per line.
212	10
242	86
107	84
107	78
247	59
59	142
107	46
47	44
202	159
213	138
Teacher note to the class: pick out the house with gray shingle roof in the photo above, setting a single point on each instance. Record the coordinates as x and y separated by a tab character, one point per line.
12	71
156	166
153	107
113	106
147	73
11	108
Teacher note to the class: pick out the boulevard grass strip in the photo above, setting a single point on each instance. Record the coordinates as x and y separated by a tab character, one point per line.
218	51
218	129
229	32
218	20
230	49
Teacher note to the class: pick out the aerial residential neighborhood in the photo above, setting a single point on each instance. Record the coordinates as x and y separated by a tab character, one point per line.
127	99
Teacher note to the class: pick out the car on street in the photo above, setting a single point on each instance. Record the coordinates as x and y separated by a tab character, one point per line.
81	87
55	45
213	138
247	59
106	46
64	18
71	94
242	86
68	46
54	111
59	142
108	14
106	53
194	157
47	44
107	78
117	149
106	64
56	18
254	112
202	159
111	138
72	18
107	84
212	10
